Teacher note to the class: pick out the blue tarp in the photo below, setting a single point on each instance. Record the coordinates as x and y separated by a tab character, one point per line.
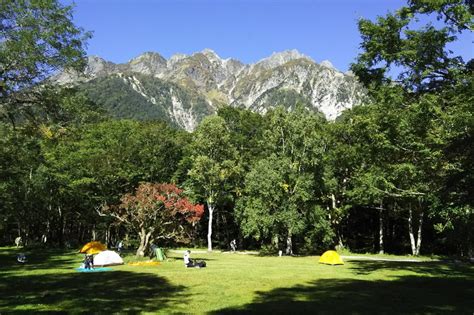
93	270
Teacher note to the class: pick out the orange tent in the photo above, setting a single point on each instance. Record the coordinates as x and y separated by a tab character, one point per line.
93	248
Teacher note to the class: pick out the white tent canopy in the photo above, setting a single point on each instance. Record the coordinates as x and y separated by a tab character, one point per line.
107	258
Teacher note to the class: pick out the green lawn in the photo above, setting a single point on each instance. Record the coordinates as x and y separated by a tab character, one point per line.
235	283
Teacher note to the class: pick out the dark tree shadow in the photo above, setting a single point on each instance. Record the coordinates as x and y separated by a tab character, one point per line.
105	292
431	268
38	259
433	293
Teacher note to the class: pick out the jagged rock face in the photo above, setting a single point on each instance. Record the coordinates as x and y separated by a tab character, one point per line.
149	63
208	82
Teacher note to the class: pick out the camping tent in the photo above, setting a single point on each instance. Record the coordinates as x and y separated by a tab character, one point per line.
331	257
107	258
93	248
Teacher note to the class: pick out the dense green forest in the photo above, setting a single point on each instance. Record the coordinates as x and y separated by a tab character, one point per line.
393	175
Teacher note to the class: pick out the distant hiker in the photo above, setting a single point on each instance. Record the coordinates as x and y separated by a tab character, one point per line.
153	249
233	245
18	241
119	247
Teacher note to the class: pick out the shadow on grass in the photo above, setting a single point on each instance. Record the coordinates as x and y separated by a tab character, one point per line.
431	268
106	292
37	259
432	293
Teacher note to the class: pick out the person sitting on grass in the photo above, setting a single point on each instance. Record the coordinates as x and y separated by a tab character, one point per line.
21	258
188	262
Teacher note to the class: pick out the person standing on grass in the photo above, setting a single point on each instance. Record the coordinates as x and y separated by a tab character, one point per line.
119	247
18	241
89	262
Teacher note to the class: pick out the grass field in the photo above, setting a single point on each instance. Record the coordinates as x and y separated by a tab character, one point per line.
234	283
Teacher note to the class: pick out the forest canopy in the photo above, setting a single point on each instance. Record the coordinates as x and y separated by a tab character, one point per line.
392	175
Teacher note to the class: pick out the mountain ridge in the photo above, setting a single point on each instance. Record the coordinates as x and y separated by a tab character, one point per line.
282	79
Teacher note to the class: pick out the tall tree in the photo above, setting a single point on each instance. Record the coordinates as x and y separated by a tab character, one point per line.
156	211
281	189
213	165
37	38
246	136
421	56
427	69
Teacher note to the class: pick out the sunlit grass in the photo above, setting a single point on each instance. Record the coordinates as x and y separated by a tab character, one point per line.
233	282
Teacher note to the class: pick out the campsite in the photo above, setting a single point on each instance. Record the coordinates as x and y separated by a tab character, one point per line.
237	156
253	284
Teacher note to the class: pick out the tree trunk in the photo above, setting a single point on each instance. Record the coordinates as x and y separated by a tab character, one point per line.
144	238
410	231
64	235
381	229
107	235
276	241
289	244
140	249
336	224
94	235
415	244
418	241
48	229
27	236
210	206
147	241
340	242
333	201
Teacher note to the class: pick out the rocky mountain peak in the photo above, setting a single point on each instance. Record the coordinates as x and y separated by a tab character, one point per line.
280	58
211	55
176	58
150	63
96	61
149	55
327	64
97	66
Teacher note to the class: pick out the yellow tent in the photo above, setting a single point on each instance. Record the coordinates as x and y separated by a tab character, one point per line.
331	257
93	248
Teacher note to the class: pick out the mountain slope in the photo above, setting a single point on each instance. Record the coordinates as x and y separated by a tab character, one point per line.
148	98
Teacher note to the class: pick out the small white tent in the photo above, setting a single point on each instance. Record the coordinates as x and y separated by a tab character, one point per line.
107	258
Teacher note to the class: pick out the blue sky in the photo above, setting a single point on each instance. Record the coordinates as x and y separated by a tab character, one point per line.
248	30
